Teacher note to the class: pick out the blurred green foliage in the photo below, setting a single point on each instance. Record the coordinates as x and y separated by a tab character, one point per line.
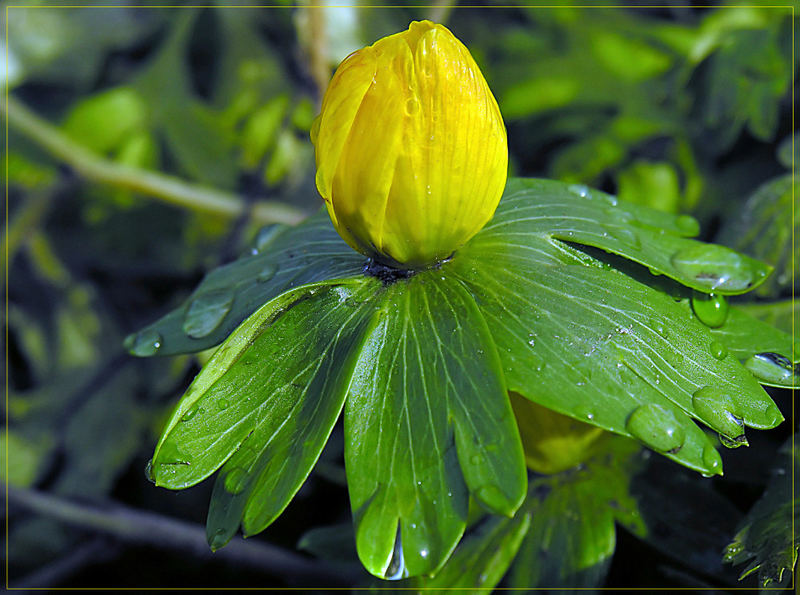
681	109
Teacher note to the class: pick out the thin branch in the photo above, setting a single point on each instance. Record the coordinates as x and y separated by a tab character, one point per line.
24	220
168	188
96	551
146	528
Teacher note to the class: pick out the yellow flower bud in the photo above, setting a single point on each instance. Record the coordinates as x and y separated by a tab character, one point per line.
411	148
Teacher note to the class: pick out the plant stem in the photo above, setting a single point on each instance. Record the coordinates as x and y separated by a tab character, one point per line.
24	221
145	528
96	551
318	55
440	10
168	188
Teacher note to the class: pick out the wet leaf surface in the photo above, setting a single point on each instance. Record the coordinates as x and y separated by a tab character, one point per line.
428	422
609	350
284	258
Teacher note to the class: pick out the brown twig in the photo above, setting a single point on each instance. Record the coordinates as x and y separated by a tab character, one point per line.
145	528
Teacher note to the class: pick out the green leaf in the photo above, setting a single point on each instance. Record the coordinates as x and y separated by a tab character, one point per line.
767	534
313	351
778	314
248	62
266	402
765	350
764	229
585	340
103	121
196	135
482	557
572	536
655	185
284	258
578	214
428	421
748	77
24	459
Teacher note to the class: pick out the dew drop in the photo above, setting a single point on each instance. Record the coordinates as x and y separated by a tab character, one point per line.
222	404
718	350
475	459
148	472
687	225
267	235
491	496
711	309
412	106
717	409
236	480
711	460
656	427
169	455
581	190
626	236
733	442
189	414
713	267
144	343
267	273
206	312
774	368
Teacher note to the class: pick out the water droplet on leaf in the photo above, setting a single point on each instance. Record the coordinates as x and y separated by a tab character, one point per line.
773	368
687	225
206	312
148	471
718	350
144	343
492	497
711	460
713	267
580	189
625	236
189	414
711	309
267	273
733	442
717	409
657	427
169	455
267	235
